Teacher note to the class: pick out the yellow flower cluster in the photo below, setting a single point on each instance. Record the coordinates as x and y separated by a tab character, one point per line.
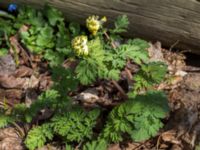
79	44
94	24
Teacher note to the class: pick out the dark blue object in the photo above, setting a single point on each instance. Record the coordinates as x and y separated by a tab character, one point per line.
12	7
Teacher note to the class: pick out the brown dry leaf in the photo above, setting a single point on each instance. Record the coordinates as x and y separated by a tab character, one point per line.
155	52
23	71
11	82
11	144
132	146
192	81
19	49
175	61
7	65
30	97
177	147
170	136
14	94
14	44
88	96
114	147
45	82
10	140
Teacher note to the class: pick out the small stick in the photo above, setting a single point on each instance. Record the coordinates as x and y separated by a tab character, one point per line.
119	88
129	75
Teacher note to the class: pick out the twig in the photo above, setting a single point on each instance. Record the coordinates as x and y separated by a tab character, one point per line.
129	75
158	142
141	144
185	51
173	45
79	145
119	88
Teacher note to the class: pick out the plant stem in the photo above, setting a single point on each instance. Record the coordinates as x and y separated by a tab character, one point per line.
108	37
119	88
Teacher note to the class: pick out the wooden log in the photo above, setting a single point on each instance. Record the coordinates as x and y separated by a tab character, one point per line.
169	21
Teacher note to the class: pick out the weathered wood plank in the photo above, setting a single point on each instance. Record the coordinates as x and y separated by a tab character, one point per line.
166	20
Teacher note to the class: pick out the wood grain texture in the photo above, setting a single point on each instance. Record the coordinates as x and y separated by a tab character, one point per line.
168	21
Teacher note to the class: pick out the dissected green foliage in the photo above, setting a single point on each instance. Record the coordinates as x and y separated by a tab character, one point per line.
38	136
92	67
101	55
48	99
64	80
73	126
121	24
94	145
103	63
150	74
5	120
46	35
139	117
6	31
134	50
76	125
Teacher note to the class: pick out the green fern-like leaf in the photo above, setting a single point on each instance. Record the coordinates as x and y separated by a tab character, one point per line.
46	99
96	145
54	58
68	147
64	80
149	75
75	125
92	67
54	16
121	24
5	120
135	50
139	117
38	136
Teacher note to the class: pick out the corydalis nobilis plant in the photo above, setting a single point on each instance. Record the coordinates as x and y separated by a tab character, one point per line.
48	35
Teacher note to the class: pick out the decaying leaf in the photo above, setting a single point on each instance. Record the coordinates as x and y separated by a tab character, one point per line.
10	140
7	65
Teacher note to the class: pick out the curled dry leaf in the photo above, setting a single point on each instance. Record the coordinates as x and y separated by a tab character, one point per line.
10	140
170	136
114	147
23	71
192	81
89	96
11	82
155	52
14	94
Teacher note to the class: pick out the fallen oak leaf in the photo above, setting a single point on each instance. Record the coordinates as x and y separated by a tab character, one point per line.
23	71
11	82
10	140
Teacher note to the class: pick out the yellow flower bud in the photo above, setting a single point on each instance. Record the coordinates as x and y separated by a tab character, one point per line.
79	44
94	24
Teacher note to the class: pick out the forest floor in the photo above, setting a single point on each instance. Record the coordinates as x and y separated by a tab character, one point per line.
182	126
